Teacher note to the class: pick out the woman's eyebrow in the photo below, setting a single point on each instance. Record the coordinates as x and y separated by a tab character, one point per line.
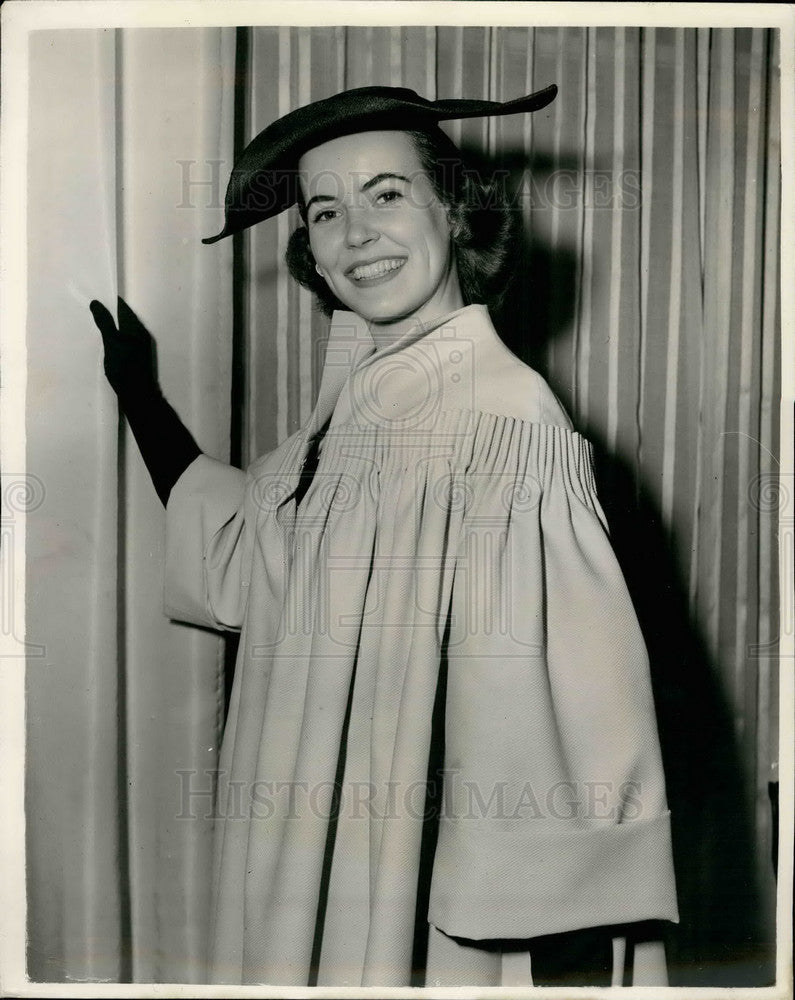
319	197
383	177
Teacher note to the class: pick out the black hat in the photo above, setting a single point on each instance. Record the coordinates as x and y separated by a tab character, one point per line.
264	180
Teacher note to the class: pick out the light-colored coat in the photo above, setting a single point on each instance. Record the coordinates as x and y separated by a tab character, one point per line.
452	522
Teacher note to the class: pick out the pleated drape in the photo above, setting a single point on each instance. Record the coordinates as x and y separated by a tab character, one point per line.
647	293
75	832
125	711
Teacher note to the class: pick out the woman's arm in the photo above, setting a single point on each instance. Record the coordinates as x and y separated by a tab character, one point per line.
166	445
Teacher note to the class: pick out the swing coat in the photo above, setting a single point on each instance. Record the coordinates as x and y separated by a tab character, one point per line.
451	535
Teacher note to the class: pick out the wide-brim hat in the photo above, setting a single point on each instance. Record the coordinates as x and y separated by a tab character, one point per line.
264	180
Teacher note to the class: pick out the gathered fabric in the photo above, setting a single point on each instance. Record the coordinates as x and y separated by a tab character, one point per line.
449	550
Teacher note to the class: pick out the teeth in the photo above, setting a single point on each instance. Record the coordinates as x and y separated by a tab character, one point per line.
376	269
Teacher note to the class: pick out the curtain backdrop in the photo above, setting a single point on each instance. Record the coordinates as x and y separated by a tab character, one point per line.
124	700
646	292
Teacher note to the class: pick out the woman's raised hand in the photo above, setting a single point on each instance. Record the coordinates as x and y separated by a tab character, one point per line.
129	349
167	446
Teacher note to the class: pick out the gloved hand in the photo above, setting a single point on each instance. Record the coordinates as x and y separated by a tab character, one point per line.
166	445
129	350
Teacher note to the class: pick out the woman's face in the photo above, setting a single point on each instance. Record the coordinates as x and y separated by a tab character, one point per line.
378	232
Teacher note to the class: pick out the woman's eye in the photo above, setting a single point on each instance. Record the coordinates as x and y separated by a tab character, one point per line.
384	197
324	215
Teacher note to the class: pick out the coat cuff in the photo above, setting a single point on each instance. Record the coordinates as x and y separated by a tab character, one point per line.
525	878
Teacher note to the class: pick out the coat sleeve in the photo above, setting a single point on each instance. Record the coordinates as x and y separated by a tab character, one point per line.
555	814
208	546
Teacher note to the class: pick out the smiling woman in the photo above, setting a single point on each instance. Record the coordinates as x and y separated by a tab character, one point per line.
383	243
441	762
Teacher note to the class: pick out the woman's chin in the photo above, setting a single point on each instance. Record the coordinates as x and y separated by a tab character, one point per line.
389	310
381	316
386	311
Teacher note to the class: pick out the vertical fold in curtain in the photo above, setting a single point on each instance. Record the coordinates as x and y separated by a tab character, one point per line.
765	494
76	859
717	309
125	712
177	99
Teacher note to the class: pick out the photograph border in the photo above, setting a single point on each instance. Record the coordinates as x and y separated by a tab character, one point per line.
19	18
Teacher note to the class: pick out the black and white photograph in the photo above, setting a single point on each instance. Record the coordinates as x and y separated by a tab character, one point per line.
397	498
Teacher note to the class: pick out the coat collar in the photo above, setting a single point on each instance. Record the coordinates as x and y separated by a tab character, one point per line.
351	347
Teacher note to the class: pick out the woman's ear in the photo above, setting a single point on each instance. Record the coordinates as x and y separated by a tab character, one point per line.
319	270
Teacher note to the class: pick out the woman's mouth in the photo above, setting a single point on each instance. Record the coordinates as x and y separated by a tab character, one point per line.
377	272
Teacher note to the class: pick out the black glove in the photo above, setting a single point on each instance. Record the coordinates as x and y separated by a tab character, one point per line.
166	445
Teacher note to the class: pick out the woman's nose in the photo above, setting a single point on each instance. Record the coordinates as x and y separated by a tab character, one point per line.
360	231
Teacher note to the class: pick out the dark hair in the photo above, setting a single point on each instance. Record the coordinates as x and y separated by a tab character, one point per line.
484	228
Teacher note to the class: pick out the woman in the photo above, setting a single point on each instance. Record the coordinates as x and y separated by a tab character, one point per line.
440	763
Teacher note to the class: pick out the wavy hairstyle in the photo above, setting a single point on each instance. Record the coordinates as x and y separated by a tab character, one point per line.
483	226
